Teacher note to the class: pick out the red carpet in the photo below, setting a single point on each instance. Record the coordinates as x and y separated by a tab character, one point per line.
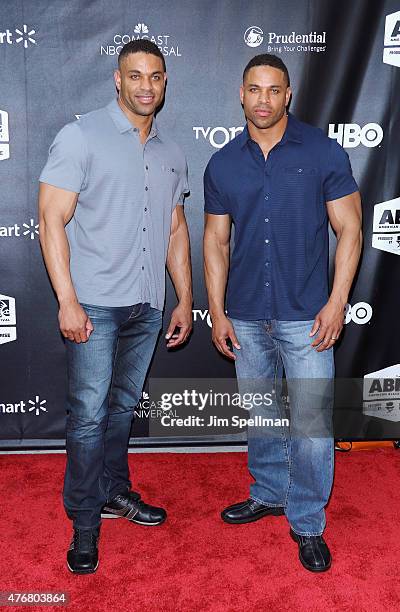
194	562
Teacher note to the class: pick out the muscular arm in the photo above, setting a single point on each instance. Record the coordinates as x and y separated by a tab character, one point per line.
216	266
345	217
179	268
56	207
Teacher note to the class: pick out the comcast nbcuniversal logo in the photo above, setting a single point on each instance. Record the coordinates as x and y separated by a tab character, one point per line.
23	35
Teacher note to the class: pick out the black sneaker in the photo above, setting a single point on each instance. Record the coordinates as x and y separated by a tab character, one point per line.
83	555
129	505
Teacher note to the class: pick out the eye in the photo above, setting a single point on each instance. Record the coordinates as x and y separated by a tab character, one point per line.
253	89
134	77
156	77
274	90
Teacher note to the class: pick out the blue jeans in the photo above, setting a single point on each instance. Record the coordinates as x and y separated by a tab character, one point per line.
292	465
105	381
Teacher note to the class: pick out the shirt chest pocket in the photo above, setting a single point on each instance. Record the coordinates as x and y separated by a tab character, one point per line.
169	178
301	171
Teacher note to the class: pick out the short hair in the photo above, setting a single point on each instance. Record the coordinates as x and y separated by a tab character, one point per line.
266	59
141	46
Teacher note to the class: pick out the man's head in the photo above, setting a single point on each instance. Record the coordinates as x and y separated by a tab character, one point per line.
141	77
265	92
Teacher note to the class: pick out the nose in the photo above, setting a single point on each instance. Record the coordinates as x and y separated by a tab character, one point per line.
264	96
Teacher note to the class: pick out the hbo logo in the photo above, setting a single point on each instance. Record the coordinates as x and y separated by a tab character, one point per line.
350	135
360	313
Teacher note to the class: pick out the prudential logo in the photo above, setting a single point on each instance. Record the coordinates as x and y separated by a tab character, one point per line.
391	51
253	36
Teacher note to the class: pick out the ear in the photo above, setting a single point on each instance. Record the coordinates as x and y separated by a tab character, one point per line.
287	95
117	79
241	92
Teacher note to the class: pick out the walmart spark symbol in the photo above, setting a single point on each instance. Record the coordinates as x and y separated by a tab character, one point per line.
32	229
25	36
37	405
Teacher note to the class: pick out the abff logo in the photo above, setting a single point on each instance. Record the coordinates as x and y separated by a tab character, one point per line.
391	51
386	229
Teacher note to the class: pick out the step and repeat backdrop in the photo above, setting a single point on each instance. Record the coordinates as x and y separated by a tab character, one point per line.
56	62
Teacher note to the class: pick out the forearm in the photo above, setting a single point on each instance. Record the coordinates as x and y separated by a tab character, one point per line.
346	261
56	253
216	267
178	264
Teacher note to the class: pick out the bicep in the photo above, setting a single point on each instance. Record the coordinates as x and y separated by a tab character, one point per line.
345	212
56	203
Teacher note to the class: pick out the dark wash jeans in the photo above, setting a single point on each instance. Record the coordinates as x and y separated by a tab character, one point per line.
105	381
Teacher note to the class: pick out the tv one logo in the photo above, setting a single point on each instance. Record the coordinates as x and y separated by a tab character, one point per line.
360	313
381	394
351	135
386	228
391	50
4	136
8	319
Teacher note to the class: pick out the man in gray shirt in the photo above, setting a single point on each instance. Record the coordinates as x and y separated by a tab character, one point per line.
111	217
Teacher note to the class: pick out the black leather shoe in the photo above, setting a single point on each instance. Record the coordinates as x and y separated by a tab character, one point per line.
83	555
249	511
313	552
129	505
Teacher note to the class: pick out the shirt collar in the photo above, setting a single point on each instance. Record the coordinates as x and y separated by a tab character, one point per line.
292	132
122	122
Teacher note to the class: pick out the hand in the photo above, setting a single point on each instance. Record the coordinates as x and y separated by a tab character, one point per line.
329	324
181	317
74	322
222	329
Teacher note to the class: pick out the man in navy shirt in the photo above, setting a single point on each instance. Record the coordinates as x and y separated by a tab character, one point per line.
279	183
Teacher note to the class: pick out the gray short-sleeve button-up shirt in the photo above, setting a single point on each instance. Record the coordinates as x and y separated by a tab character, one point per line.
120	230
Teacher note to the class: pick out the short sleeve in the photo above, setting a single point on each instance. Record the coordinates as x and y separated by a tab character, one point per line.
213	201
339	180
182	188
67	160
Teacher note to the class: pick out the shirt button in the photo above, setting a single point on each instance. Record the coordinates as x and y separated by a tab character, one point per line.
266	197
267	263
266	220
267	284
147	167
266	241
145	209
144	248
172	169
146	188
142	267
300	170
144	229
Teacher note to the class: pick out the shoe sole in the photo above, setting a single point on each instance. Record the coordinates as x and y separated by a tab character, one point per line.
305	565
117	516
83	571
252	519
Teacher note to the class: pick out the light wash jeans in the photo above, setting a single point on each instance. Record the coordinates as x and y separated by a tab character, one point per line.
105	381
292	466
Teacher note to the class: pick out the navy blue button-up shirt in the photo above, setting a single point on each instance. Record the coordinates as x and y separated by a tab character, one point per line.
279	263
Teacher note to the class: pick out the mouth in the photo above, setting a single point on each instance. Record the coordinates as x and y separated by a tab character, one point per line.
263	112
145	99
